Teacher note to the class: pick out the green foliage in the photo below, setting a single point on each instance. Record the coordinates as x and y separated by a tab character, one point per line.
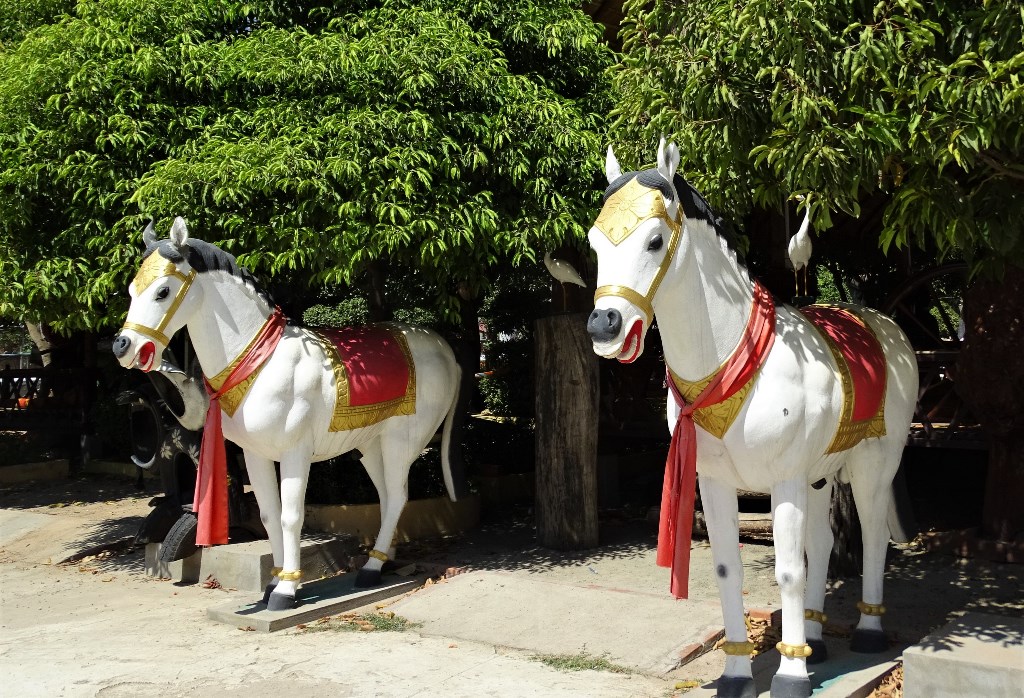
445	137
347	313
835	100
580	662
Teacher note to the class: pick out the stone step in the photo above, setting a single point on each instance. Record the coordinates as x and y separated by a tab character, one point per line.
978	654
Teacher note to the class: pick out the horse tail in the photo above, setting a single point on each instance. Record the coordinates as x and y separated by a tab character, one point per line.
446	437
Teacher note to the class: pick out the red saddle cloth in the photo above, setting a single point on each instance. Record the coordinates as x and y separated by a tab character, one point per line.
862	367
374	371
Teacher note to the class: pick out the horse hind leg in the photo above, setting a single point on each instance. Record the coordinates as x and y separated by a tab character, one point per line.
818	545
373	461
872	466
721	514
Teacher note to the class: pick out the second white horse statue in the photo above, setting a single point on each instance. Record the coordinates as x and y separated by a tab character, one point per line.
289	394
764	398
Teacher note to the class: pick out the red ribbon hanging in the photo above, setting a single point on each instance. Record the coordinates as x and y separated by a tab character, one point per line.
211	496
679	489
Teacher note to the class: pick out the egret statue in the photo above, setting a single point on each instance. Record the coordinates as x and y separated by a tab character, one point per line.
564	273
800	252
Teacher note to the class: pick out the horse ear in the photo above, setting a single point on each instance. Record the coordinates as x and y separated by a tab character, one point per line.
668	159
611	166
149	235
179	232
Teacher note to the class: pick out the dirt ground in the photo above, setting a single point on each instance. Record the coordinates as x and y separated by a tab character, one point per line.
97	626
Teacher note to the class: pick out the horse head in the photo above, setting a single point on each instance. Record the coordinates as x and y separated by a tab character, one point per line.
635	237
163	299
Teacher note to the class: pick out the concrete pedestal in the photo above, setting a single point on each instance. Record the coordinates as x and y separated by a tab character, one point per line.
975	655
246	566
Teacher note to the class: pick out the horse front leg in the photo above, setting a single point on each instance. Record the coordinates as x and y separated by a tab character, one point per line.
294	476
819	547
789	506
721	515
263	478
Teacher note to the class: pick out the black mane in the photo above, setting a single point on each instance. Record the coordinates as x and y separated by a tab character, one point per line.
204	257
694	205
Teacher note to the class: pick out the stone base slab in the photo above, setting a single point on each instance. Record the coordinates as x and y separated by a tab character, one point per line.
977	654
320	599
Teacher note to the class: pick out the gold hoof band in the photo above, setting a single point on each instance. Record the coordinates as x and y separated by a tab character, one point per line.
290	576
871	609
736	649
816	616
274	571
377	555
793	651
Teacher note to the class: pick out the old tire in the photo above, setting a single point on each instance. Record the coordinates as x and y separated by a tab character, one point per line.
180	542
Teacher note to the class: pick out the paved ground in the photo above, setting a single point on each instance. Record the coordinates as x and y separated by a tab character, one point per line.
99	627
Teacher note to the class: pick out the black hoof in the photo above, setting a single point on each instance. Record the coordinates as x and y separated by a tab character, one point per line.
735	687
281	602
790	687
367	578
869	641
819	653
267	592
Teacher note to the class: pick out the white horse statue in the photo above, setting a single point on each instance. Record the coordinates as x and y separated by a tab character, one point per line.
764	398
289	394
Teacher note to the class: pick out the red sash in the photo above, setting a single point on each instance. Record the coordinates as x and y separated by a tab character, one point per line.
679	489
211	496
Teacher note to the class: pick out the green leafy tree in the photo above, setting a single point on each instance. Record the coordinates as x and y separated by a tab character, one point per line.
433	140
919	105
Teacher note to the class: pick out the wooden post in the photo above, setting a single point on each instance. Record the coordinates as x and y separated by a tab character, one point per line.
566	389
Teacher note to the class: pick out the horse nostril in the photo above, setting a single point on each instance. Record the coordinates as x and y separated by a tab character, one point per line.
121	345
604	325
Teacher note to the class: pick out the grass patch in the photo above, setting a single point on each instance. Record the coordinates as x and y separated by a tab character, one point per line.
361	622
580	662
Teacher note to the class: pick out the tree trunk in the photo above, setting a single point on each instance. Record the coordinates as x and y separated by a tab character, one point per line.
847	549
566	412
990	379
38	335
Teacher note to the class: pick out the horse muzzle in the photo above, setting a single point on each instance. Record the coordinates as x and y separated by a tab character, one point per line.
605	328
132	353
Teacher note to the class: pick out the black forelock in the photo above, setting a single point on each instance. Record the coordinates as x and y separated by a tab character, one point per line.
694	205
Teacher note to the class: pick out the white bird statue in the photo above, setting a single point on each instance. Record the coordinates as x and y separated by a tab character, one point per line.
564	273
800	251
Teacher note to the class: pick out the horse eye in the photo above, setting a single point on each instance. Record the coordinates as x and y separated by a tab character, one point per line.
655	244
163	293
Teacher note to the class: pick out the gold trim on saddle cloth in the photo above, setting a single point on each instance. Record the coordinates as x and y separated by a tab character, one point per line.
347	416
850	433
714	419
230	400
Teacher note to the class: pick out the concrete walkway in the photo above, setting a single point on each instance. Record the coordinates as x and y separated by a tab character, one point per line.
100	627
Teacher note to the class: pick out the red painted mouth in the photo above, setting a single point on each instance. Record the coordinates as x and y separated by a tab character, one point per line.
631	344
146	355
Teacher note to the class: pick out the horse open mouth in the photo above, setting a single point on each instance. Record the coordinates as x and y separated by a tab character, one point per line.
146	356
632	345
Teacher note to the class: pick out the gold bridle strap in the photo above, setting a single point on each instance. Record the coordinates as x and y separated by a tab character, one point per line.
155	268
622	214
